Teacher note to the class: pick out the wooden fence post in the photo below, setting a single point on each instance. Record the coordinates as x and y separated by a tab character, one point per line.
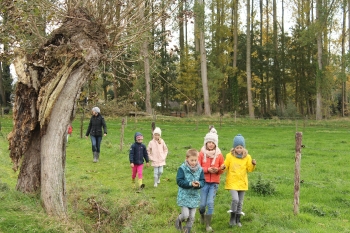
153	126
82	123
122	135
298	138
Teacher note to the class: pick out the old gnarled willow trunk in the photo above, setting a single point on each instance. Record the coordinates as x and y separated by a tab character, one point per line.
49	83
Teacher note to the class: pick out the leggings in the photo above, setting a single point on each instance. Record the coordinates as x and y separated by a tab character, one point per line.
187	214
237	201
158	171
137	169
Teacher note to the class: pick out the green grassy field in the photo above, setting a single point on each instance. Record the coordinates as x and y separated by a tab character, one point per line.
102	199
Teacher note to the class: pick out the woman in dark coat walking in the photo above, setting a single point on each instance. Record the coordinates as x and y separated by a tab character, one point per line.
97	122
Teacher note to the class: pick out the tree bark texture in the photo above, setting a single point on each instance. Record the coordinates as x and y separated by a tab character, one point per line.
298	139
49	84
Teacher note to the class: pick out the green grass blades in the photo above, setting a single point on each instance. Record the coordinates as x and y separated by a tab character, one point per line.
102	198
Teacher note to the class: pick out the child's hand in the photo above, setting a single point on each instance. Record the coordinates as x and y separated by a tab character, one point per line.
223	167
254	162
213	170
147	164
131	164
195	183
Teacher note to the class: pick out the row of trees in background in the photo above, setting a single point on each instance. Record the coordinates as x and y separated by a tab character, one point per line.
230	56
262	70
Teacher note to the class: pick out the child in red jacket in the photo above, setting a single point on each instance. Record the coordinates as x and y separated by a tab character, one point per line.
210	159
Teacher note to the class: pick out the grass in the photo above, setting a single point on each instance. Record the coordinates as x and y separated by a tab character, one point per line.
102	199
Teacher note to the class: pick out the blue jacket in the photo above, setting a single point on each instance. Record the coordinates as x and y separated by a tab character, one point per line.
138	153
189	196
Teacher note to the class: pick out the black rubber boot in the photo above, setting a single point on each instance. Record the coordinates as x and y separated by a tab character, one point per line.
233	219
201	220
238	220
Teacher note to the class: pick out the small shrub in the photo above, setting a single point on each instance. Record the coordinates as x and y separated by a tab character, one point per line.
313	209
264	188
4	187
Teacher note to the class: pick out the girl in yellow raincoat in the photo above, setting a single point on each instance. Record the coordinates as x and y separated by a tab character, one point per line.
237	165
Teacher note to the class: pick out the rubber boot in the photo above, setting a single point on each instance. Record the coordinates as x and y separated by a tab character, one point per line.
238	220
155	182
133	183
95	155
208	223
201	220
233	219
188	229
178	223
141	186
158	180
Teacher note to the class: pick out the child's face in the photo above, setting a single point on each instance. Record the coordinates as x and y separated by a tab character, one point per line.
211	145
156	136
139	140
239	149
192	160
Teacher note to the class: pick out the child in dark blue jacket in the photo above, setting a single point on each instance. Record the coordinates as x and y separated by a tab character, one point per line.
137	155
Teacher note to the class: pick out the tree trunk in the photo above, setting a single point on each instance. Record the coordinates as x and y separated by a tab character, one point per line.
181	35
343	74
29	175
147	76
2	91
235	54
49	83
276	73
203	59
249	73
319	61
144	52
268	102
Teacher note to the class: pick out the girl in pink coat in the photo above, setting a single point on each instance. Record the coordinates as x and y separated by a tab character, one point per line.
157	152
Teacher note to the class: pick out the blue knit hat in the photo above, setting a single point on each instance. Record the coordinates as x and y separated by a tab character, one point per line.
138	135
238	141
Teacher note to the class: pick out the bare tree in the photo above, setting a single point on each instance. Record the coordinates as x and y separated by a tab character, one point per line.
51	72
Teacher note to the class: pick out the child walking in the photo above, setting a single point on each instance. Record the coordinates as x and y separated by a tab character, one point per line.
137	155
237	164
189	178
157	152
211	160
69	131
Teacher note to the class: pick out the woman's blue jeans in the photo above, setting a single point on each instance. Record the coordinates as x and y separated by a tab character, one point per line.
96	143
208	193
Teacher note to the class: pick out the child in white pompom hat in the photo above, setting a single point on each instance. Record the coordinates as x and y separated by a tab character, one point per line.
210	159
157	152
